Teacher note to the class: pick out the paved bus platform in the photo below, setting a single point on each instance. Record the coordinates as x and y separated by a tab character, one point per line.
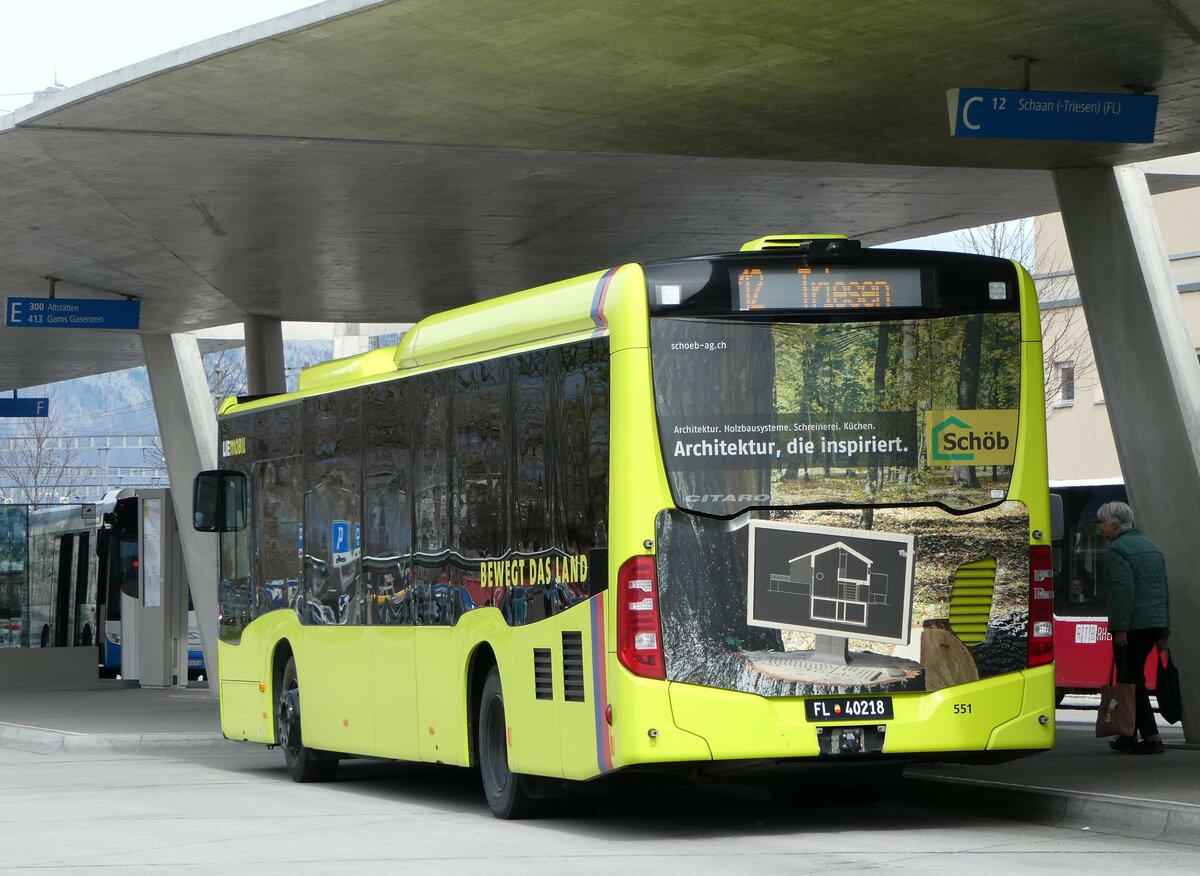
1080	784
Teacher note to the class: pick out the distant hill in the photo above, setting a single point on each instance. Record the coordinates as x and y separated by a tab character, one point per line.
115	404
119	403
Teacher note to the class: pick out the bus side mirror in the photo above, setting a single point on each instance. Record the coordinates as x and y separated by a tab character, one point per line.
219	501
1056	517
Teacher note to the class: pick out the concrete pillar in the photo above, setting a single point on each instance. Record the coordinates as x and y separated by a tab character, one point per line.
349	339
189	434
264	356
1151	379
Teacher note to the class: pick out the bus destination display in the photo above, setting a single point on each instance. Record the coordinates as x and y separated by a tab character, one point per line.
825	287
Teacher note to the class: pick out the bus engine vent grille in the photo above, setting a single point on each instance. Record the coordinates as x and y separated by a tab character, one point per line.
572	645
971	600
543	674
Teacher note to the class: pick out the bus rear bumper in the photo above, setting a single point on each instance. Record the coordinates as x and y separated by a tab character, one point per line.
974	721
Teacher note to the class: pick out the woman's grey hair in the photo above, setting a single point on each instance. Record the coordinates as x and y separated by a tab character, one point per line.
1116	512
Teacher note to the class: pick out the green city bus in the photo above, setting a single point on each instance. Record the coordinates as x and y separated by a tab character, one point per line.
778	514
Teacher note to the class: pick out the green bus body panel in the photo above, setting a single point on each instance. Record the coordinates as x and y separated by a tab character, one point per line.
402	692
544	316
347	371
557	313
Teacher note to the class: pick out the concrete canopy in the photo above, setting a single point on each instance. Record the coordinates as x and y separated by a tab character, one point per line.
378	161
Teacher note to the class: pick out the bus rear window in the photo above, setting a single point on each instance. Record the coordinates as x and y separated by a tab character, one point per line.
755	413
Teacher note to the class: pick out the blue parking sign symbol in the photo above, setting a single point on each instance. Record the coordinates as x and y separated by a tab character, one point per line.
341	536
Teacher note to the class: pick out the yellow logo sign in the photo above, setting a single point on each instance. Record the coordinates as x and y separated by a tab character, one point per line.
971	437
233	447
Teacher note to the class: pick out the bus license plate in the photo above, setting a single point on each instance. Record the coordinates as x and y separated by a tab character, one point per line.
848	708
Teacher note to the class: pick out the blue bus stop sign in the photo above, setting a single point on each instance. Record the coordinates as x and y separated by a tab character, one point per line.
86	313
1052	115
24	407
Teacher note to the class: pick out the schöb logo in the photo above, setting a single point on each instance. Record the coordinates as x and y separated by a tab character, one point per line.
983	437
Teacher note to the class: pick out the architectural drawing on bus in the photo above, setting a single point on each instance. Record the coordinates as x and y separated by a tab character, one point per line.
837	581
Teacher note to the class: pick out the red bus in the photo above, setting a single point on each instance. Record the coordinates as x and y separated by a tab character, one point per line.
1082	643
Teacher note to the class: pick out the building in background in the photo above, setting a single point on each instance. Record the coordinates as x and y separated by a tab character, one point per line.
1080	439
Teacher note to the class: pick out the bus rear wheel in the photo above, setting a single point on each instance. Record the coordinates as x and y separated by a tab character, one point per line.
505	794
303	764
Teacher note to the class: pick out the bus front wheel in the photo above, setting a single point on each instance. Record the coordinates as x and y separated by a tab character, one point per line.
506	796
303	764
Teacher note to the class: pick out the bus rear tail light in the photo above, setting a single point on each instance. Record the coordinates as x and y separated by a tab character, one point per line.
1041	607
639	633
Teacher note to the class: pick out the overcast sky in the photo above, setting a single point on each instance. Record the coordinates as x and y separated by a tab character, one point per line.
78	40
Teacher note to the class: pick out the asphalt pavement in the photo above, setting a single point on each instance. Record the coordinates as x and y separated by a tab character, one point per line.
1080	783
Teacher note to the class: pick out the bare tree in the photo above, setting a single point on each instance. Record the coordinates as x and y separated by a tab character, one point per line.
1065	340
38	464
225	372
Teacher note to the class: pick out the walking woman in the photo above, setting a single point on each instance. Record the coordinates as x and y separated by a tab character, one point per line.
1138	614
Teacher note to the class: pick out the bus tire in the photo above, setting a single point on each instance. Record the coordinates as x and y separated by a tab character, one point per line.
506	795
303	764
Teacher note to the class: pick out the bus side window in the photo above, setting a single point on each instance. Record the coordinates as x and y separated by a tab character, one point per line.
333	588
387	502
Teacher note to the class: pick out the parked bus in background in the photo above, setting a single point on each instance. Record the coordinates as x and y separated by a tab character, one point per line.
779	514
1082	643
47	576
117	574
14	528
117	551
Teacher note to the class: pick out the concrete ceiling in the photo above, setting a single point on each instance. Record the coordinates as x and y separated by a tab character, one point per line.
379	161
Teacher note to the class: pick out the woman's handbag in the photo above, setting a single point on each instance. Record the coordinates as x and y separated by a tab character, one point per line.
1117	710
1166	690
